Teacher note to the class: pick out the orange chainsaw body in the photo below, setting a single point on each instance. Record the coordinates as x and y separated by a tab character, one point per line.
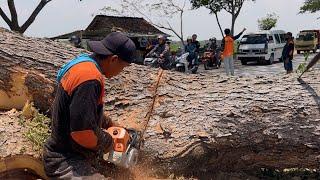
120	138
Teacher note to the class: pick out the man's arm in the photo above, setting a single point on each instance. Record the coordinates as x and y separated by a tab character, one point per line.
222	45
239	35
166	50
85	131
152	51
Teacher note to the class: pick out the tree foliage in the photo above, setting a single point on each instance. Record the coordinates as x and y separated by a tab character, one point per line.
233	7
310	6
268	22
13	23
214	6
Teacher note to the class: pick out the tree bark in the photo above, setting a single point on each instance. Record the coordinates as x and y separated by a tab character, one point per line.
195	123
218	22
181	28
5	17
233	21
14	17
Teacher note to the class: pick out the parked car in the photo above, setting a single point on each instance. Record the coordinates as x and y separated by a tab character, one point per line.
264	47
308	40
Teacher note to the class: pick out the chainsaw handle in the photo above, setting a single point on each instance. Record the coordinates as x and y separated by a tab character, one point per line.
134	136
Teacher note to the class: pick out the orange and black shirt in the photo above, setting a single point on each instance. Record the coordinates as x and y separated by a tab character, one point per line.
77	118
227	44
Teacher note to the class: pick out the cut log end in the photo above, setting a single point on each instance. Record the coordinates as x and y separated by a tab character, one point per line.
21	167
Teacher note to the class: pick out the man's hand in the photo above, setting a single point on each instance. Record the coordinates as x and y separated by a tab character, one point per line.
107	122
109	146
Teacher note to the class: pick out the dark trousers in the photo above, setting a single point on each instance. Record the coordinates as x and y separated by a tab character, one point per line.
288	65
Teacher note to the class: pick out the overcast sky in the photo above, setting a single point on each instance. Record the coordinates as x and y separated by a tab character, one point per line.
64	16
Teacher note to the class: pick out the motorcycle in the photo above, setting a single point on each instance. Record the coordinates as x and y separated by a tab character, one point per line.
152	60
183	65
211	59
156	61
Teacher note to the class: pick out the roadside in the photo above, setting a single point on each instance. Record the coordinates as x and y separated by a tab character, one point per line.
253	69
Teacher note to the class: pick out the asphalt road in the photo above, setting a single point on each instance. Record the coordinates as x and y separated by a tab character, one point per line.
254	69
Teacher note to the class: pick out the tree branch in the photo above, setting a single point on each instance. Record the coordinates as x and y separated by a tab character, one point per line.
5	17
34	14
14	16
184	4
172	30
239	9
218	21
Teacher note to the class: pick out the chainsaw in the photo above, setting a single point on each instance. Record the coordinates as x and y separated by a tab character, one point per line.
125	147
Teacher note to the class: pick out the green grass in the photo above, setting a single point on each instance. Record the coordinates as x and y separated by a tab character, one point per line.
302	66
37	129
174	47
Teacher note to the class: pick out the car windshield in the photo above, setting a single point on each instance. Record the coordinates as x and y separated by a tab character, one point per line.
254	39
306	37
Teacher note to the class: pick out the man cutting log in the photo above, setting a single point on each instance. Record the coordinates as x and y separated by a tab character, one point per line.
77	137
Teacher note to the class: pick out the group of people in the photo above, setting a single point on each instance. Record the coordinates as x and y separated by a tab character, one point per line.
163	51
227	47
193	48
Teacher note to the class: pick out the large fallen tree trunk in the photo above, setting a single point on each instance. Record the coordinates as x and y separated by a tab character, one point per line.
194	122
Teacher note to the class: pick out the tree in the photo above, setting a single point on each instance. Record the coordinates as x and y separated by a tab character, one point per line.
310	6
156	12
13	23
233	7
268	22
215	6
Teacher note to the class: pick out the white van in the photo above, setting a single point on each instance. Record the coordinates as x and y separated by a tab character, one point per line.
263	47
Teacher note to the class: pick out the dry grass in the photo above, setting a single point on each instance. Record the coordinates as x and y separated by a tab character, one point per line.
37	126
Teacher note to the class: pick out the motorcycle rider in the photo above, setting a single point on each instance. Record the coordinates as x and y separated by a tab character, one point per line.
191	48
212	44
162	49
197	44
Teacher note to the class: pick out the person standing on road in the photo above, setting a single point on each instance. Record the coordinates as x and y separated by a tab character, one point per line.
287	53
196	43
227	49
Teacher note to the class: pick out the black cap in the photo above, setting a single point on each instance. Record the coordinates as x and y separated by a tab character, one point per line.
115	43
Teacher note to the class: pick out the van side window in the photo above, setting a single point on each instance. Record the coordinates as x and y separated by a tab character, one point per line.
278	41
270	39
283	38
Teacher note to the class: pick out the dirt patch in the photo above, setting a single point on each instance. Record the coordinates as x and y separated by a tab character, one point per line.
12	138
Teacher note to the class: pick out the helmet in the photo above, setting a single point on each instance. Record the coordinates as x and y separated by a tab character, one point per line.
74	38
162	37
189	38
